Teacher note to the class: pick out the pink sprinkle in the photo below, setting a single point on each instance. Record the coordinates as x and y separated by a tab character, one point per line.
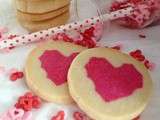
16	114
149	65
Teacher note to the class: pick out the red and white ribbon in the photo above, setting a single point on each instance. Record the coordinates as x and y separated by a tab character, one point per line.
45	34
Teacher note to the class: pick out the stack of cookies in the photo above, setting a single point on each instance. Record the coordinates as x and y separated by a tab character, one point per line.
35	15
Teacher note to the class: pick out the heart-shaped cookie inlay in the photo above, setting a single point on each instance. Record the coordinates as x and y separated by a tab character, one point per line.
113	83
56	65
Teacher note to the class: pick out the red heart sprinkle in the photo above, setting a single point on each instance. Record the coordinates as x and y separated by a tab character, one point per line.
28	102
60	116
80	116
16	75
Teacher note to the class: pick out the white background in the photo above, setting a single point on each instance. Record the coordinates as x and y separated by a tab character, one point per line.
130	40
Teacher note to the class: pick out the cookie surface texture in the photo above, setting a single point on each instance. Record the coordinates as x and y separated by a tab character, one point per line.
42	17
33	26
39	6
47	68
109	85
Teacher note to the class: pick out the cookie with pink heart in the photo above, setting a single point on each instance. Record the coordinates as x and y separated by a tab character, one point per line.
109	85
47	68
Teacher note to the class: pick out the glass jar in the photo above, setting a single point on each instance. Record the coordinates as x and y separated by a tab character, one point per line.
83	9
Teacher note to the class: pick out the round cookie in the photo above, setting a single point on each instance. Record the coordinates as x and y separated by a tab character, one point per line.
33	26
46	70
40	6
109	85
41	17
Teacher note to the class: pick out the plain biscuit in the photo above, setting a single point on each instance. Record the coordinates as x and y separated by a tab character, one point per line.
40	6
41	17
41	25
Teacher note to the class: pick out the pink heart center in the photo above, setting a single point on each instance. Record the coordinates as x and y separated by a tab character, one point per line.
56	65
113	83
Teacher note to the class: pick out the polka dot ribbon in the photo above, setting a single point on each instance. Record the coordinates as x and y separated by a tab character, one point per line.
45	34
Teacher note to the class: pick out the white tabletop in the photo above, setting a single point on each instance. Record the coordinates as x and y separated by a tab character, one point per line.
130	40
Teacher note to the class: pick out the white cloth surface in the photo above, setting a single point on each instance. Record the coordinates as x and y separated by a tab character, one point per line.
130	40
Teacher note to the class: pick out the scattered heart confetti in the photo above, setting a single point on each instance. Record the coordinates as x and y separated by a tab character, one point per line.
16	75
80	116
28	102
138	55
16	114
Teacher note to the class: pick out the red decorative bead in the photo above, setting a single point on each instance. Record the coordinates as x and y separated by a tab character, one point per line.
20	74
28	102
36	102
13	77
60	116
140	58
138	55
147	64
89	32
136	52
16	75
80	116
66	38
91	44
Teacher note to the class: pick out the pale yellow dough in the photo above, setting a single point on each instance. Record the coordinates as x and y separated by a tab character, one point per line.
36	77
41	17
83	91
33	26
39	6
